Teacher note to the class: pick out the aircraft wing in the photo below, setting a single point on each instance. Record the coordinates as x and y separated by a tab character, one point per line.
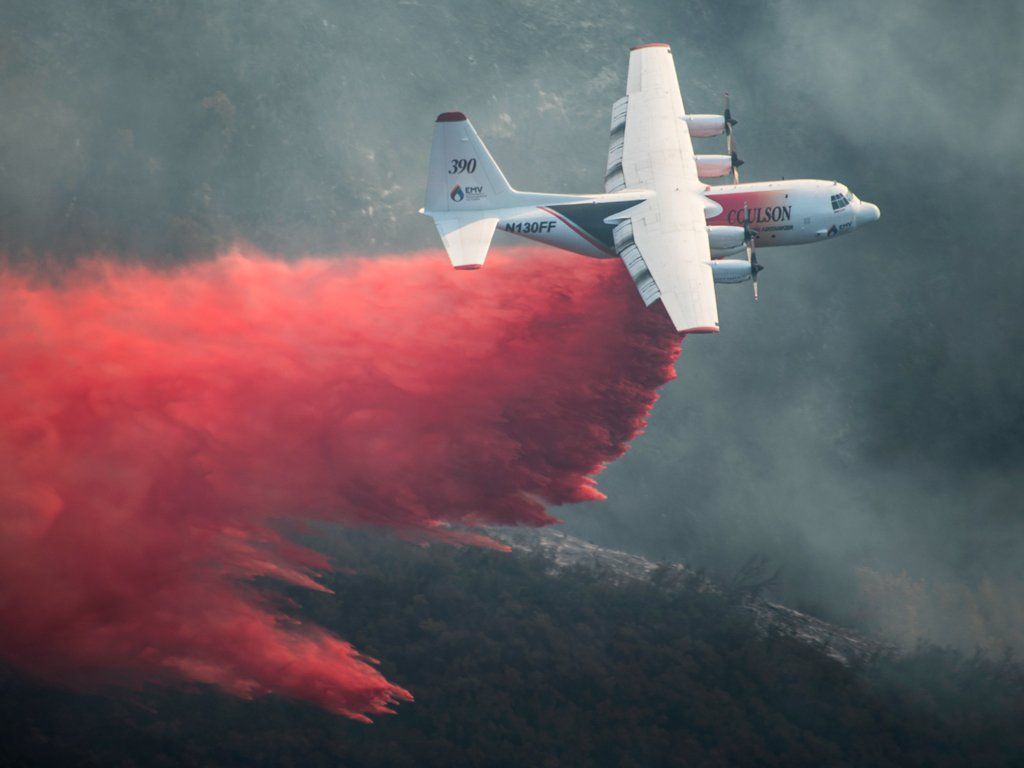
663	241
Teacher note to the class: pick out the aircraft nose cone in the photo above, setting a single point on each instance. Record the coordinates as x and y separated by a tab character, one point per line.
867	212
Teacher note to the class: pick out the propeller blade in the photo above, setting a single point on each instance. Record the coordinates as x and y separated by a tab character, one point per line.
734	160
749	236
736	163
727	114
754	269
730	141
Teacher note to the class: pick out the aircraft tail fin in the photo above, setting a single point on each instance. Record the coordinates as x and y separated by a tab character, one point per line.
466	191
467	194
463	176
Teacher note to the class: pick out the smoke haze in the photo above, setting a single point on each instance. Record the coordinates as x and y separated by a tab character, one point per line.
861	426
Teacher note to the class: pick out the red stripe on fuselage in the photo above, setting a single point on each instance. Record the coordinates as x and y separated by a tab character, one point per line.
600	246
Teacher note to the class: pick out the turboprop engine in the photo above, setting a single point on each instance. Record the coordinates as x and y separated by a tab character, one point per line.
705	126
725	241
713	166
731	270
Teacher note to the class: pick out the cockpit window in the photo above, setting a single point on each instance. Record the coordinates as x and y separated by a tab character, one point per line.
839	202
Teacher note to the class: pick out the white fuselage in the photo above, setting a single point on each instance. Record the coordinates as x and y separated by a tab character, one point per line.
789	212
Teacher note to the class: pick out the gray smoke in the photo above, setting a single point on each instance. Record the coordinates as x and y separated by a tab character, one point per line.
862	427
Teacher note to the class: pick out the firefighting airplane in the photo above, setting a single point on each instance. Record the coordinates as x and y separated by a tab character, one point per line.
676	235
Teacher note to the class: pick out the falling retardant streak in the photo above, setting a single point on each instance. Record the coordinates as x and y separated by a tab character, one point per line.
158	427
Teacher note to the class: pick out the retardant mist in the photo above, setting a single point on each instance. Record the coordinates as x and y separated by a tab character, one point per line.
159	430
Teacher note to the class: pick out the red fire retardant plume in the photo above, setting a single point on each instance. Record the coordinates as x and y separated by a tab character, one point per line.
155	424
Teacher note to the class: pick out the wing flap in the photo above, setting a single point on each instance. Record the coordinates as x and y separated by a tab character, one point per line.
614	180
634	261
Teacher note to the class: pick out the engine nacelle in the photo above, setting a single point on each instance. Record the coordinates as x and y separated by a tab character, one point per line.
730	271
724	253
713	166
725	238
705	126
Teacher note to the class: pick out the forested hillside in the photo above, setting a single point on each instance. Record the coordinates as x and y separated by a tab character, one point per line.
514	666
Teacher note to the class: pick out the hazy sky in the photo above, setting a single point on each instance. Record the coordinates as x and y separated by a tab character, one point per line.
861	426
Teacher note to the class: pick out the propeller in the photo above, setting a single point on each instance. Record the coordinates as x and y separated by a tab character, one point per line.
749	236
731	141
729	122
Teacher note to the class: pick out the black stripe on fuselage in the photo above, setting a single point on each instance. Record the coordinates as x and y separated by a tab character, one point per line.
590	217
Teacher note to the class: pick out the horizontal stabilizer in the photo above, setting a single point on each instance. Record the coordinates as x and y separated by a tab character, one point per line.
466	236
